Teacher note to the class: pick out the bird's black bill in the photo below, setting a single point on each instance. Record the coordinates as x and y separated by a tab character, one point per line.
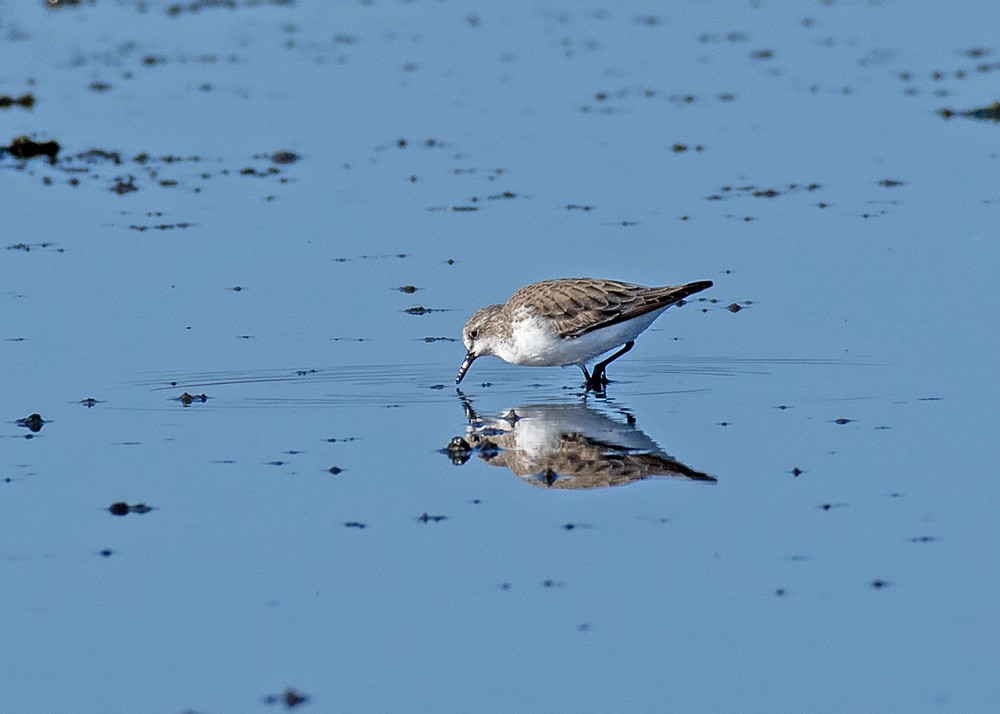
470	357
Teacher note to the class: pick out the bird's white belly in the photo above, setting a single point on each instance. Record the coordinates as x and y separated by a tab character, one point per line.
534	342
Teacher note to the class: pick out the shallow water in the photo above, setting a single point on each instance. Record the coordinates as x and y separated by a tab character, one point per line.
309	529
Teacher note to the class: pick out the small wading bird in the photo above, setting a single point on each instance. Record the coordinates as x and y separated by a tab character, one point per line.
569	321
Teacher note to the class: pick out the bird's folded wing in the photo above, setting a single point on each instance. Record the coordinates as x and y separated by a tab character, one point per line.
581	305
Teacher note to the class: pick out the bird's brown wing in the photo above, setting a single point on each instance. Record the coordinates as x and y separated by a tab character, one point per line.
579	305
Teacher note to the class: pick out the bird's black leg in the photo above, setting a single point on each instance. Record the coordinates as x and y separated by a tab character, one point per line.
586	376
598	379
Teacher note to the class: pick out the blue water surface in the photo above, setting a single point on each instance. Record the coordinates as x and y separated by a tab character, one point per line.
309	531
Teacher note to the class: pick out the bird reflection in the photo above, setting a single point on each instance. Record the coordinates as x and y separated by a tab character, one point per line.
570	446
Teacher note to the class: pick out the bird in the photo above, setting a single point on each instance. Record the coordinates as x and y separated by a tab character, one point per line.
569	321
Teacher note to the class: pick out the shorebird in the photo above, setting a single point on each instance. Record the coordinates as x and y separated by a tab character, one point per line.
569	321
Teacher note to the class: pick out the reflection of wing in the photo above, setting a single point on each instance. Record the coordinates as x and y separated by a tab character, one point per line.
580	462
575	447
579	305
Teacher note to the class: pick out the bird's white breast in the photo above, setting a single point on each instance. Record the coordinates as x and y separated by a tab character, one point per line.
533	341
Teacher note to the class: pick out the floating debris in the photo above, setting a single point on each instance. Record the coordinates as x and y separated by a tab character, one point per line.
33	423
89	402
187	399
428	518
355	524
23	147
290	698
335	470
160	227
123	186
410	289
25	100
842	421
120	508
990	113
284	157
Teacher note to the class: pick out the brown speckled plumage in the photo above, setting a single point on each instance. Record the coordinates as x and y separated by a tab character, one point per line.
579	305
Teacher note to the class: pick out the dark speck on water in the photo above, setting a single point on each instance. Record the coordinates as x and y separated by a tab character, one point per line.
123	185
23	147
284	157
33	422
990	112
120	508
290	698
428	518
25	100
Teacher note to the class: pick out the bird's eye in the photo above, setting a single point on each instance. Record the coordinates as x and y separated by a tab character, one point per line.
474	334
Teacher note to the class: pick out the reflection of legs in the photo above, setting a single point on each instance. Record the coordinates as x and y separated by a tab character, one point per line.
598	379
